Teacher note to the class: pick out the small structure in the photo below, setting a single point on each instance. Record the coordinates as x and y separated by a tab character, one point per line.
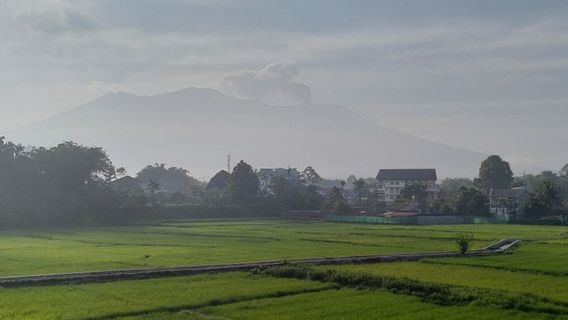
508	202
406	206
400	214
390	182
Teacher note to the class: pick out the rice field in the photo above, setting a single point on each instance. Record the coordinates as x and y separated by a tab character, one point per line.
529	283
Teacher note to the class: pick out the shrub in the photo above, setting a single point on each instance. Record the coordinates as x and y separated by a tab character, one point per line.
464	241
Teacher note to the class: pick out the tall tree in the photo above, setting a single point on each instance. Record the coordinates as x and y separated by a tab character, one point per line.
495	173
564	171
310	177
359	188
335	202
244	183
541	201
220	181
470	201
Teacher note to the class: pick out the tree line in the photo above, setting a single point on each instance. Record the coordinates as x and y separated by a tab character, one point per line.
72	184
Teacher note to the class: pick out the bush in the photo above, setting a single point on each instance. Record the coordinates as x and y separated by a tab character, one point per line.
464	241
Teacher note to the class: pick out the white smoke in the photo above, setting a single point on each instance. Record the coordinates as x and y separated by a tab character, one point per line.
274	82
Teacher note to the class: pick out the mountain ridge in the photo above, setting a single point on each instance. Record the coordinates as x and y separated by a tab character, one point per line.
197	127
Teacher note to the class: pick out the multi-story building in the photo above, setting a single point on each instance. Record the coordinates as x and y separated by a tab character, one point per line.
390	182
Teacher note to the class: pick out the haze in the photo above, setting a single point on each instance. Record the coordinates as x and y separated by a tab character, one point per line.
490	77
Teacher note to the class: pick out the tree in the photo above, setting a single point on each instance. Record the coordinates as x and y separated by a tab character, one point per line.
564	171
541	201
244	183
172	179
559	184
359	187
464	240
286	192
417	192
152	187
312	199
495	173
335	203
450	186
220	181
310	177
72	166
373	202
62	184
470	201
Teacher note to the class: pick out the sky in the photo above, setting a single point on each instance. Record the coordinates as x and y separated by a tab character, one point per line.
487	75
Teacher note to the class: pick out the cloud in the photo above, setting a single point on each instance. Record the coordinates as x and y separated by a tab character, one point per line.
102	87
51	16
274	82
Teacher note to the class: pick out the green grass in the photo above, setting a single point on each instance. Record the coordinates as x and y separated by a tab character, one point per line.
142	297
539	267
353	304
530	257
192	243
227	296
552	287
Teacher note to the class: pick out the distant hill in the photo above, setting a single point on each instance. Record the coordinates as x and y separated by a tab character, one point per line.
196	128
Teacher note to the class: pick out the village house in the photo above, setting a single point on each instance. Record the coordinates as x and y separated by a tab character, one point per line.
390	182
508	202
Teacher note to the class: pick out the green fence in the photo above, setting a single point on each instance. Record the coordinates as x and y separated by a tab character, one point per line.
370	219
415	220
490	220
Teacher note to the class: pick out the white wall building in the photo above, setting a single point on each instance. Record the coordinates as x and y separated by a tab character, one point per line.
390	182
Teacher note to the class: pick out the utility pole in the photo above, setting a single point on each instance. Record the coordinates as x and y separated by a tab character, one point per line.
229	163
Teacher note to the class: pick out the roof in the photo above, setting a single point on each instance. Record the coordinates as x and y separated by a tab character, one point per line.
400	214
407	174
508	193
406	206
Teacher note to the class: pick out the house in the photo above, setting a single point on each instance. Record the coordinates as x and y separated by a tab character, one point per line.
390	182
406	206
266	176
508	202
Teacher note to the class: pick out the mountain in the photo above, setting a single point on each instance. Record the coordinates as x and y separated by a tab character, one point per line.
196	128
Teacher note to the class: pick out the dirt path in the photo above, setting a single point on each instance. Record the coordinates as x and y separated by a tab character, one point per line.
130	274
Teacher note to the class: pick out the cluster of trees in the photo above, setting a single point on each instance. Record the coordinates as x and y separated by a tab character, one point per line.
181	187
67	183
242	186
548	191
72	183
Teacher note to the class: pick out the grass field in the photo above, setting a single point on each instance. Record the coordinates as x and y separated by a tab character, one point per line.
532	281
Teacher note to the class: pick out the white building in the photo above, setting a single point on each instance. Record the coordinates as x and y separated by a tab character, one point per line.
390	182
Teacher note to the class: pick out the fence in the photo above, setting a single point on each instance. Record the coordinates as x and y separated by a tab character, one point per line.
370	219
416	220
